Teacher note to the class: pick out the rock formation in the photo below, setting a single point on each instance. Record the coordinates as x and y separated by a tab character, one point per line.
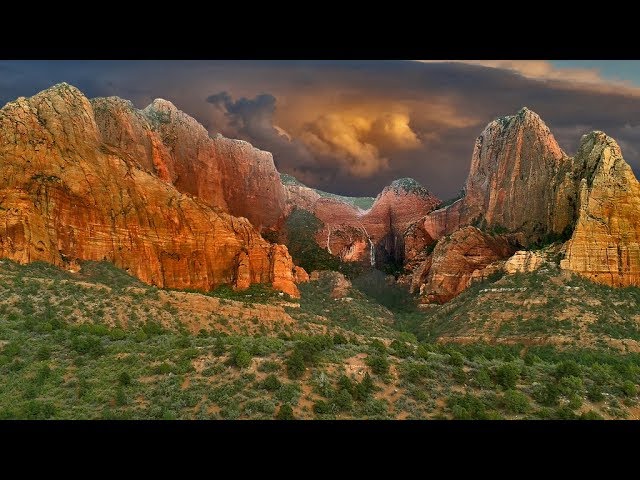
518	182
524	261
152	192
221	172
466	255
375	236
605	245
66	194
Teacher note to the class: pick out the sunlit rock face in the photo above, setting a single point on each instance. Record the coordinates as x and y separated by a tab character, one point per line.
221	172
519	181
81	185
605	245
522	184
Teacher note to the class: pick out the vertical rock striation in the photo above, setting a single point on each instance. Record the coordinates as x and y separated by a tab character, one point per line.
76	185
605	245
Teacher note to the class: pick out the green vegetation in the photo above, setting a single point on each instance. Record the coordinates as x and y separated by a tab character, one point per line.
550	238
68	350
300	228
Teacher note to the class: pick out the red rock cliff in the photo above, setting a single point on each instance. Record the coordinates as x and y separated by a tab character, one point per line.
456	261
225	173
354	234
518	180
65	194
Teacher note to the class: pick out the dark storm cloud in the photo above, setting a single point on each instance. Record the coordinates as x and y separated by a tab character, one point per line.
252	120
351	127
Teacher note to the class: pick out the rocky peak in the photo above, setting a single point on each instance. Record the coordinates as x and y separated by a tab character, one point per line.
597	151
79	183
39	117
406	186
163	115
516	161
229	174
605	245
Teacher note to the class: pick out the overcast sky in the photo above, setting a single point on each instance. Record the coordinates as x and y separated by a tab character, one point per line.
351	127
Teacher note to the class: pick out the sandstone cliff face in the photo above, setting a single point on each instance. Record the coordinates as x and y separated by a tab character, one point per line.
225	173
523	261
519	180
466	255
374	236
605	245
67	195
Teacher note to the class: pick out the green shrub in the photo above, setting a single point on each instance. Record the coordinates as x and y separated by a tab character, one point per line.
591	415
240	357
565	413
483	378
339	339
467	407
507	375
12	349
345	383
344	400
269	366
322	407
43	353
38	410
162	369
515	402
121	398
629	388
124	379
379	364
378	346
295	365
413	372
219	347
568	368
285	412
401	349
575	401
570	385
363	390
546	394
87	345
288	393
375	408
271	383
456	359
594	393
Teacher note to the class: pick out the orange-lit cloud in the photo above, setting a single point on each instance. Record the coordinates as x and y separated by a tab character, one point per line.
354	141
543	70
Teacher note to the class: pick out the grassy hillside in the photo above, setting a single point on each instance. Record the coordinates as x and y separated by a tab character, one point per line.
542	307
99	344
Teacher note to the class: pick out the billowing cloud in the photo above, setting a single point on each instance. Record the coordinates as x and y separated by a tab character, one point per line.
354	141
342	139
348	141
252	120
352	127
